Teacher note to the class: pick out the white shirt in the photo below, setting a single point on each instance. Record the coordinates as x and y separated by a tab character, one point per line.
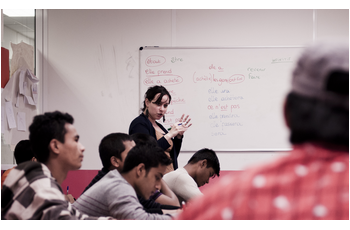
182	184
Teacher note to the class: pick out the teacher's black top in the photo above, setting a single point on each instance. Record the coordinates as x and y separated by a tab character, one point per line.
141	124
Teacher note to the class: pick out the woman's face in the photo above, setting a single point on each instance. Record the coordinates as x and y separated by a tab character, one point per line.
157	111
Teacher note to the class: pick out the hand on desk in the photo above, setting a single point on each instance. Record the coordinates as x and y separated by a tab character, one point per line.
172	212
69	198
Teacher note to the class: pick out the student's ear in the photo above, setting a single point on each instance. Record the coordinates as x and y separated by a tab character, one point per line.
115	161
54	146
140	170
203	163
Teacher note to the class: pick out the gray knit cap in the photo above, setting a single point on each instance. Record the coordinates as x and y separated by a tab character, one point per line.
317	62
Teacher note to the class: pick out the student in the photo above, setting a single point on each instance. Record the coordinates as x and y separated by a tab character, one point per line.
185	182
32	190
155	105
312	182
116	193
22	153
113	149
164	199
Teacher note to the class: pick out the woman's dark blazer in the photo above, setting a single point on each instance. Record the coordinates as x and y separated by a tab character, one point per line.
141	124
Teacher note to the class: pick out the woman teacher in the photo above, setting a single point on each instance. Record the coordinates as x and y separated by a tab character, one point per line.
155	105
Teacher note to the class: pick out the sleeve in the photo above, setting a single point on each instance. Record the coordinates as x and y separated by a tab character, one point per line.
162	142
127	207
51	204
4	175
140	126
150	205
177	144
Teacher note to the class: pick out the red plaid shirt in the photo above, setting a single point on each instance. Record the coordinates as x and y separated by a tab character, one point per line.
310	183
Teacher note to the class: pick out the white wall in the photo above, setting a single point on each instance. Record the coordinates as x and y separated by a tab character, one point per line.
88	59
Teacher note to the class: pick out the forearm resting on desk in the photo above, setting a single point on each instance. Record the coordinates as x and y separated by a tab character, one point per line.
168	197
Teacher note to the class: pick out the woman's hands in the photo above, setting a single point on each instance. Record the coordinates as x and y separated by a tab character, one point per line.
180	127
185	125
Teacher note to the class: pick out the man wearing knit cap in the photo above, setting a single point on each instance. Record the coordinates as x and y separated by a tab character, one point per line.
312	181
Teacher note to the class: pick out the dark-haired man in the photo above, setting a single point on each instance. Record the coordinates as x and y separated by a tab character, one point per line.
113	150
116	193
32	190
23	152
185	182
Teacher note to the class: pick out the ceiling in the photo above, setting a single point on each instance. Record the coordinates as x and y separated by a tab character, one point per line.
22	25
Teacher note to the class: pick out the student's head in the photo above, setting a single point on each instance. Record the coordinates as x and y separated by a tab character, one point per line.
142	138
207	165
317	108
113	149
53	137
157	99
146	164
23	151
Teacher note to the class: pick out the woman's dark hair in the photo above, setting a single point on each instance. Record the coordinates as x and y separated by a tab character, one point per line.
46	127
311	120
152	92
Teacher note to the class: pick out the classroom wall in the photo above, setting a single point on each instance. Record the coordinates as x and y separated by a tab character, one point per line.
88	60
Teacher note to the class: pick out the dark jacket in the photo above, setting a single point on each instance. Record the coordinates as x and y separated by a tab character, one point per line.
141	124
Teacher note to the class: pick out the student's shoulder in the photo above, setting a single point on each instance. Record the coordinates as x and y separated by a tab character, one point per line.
114	180
28	173
112	177
32	169
179	174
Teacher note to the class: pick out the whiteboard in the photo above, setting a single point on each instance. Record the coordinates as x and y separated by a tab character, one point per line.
234	96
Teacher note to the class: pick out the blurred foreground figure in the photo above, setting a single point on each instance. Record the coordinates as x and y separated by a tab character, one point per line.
312	182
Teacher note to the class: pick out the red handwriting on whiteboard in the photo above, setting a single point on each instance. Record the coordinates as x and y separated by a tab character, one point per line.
234	79
159	72
178	100
170	113
155	60
224	108
163	80
213	67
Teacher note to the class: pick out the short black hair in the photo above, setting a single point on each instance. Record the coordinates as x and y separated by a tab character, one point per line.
150	155
112	145
23	151
210	156
143	138
44	128
311	120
